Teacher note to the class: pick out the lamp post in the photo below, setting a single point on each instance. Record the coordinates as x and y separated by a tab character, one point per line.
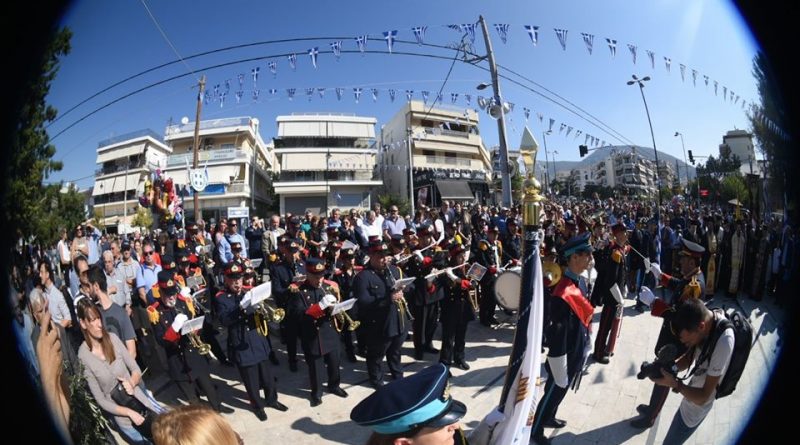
685	163
640	82
546	167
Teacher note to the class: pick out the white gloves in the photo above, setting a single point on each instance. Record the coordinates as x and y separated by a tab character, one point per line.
246	301
327	301
656	270
646	296
179	321
418	254
494	417
186	292
451	275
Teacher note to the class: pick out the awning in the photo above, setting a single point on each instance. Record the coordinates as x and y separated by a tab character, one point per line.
321	161
120	153
454	190
102	186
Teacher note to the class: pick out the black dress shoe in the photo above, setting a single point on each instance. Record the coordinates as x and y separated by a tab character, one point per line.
316	401
224	409
540	439
351	357
273	359
279	406
338	391
642	422
555	423
293	366
602	360
431	349
261	414
643	409
462	365
376	383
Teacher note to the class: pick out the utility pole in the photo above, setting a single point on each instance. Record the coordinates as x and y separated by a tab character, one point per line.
198	213
410	162
125	197
501	122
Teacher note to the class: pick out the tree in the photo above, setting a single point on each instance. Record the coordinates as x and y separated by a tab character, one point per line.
142	218
59	207
734	187
30	156
387	200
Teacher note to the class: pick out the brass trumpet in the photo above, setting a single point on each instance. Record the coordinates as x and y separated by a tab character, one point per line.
343	317
266	313
202	348
472	295
403	309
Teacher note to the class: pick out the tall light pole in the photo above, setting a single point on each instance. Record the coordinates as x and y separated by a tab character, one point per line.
685	163
641	82
546	165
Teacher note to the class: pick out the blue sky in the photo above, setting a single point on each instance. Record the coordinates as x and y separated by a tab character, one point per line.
114	40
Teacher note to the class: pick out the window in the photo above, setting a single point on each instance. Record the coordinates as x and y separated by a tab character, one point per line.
427	152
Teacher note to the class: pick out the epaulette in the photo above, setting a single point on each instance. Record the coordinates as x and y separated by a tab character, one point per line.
188	302
483	245
155	292
616	255
219	294
331	283
153	314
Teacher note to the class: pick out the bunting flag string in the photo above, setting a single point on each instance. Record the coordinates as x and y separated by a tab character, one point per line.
552	122
256	93
409	93
683	71
293	61
391	94
652	57
470	28
390	36
273	91
694	77
588	39
357	93
239	95
321	92
273	68
290	92
612	46
336	47
222	99
339	92
577	134
632	49
502	30
456	28
361	41
374	94
419	33
667	63
562	37
468	98
216	89
561	129
569	130
425	97
533	33
309	93
255	75
313	52
453	97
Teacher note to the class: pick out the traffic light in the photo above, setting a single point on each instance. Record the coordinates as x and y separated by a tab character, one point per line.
691	158
584	150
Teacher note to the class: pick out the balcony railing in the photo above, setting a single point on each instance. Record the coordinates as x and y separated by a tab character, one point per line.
445	132
209	124
129	136
435	159
225	154
120	168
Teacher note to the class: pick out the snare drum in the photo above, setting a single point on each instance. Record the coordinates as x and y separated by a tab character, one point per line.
507	287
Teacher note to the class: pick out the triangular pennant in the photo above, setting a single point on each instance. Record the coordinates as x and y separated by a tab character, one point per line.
724	93
314	52
552	122
357	93
419	33
439	98
391	94
228	85
510	107
705	79
586	139
667	62
290	92
694	77
361	41
540	116
273	68
732	94
632	49
533	33
273	91
577	133
588	39
562	37
339	92
652	57
255	71
309	93
470	30
336	47
683	72
737	99
256	93
240	77
293	61
390	36
569	130
716	84
527	113
453	97
222	99
239	95
321	92
409	94
374	94
502	30
468	98
561	129
425	96
612	46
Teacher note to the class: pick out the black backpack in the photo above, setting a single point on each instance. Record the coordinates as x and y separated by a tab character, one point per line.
731	318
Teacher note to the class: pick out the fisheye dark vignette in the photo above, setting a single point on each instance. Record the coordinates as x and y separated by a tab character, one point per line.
780	120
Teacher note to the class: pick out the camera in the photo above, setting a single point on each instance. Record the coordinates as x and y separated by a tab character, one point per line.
665	359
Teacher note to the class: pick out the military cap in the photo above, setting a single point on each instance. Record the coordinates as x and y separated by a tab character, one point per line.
578	243
166	283
315	266
236	246
408	231
348	253
168	263
398	241
691	249
420	400
183	256
619	227
378	247
234	270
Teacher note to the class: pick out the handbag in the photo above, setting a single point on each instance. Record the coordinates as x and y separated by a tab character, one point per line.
122	398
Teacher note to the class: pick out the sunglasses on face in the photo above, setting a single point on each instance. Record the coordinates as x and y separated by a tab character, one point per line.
148	252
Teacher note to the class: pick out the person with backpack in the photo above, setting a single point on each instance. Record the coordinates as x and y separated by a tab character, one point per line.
711	339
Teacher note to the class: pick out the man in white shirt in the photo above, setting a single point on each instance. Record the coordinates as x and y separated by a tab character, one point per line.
393	224
115	282
64	257
370	226
695	325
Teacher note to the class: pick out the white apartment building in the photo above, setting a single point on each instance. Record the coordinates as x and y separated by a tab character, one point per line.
434	154
740	143
634	172
123	163
582	177
239	166
326	161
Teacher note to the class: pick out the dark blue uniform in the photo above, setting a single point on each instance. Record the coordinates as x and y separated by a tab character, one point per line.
457	311
282	276
424	302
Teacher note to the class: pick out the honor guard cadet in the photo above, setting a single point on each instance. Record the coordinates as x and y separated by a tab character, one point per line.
611	268
187	362
344	275
311	302
458	309
383	312
418	408
247	342
488	254
426	296
567	335
690	284
283	274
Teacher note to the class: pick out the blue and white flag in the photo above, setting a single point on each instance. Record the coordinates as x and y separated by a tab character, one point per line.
737	99
336	47
586	139
470	30
577	133
241	80
310	93
632	49
456	28
314	52
468	98
705	78
453	97
569	130
389	36
239	95
254	72
652	57
228	85
206	97
667	63
321	92
409	95
533	33
293	61
716	84
222	99
527	113
588	39
540	116
391	94
725	93
216	88
419	33
561	129
612	46
552	122
339	92
439	98
374	94
256	93
290	92
273	91
425	97
694	77
562	37
683	72
357	93
361	41
273	67
502	30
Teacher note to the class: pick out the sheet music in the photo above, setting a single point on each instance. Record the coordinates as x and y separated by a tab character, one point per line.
255	262
403	282
476	272
198	294
193	325
347	244
260	292
343	306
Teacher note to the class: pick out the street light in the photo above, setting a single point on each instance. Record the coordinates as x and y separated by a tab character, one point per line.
685	164
641	82
546	167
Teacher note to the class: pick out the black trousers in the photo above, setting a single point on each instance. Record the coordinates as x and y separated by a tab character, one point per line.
205	384
454	335
657	399
548	405
256	378
376	350
426	318
606	318
209	335
347	339
487	302
315	365
290	335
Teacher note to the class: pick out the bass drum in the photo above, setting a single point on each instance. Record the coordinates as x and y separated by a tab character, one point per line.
507	287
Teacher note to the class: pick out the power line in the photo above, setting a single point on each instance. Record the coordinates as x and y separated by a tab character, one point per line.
163	34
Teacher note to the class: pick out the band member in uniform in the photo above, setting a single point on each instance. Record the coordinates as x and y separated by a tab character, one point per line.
344	275
311	302
426	297
282	274
187	364
247	347
383	312
512	247
457	309
567	335
610	271
690	285
488	254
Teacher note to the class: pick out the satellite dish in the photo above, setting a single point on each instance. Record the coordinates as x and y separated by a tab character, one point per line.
184	120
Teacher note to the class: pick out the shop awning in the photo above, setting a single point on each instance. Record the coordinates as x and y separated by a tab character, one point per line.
454	190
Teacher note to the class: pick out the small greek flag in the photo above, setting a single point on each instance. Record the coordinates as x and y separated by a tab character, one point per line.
357	93
694	77
409	94
273	91
239	95
439	97
652	57
227	84
577	133
293	61
716	84
389	36
309	93
361	41
255	71
533	33
552	122
562	37
683	71
391	94
314	52
339	92
588	39
222	99
321	92
468	98
273	67
612	46
724	93
667	62
569	130
470	29
527	113
336	47
632	49
453	97
374	94
502	30
705	78
256	94
425	97
290	92
419	33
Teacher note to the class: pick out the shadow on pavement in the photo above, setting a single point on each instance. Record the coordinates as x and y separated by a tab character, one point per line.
342	432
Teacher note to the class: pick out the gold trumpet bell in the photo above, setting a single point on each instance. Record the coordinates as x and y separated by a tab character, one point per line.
202	348
278	315
552	273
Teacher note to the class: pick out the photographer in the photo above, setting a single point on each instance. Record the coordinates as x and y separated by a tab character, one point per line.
695	324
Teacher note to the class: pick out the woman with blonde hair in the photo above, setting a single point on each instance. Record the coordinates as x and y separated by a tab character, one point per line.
194	425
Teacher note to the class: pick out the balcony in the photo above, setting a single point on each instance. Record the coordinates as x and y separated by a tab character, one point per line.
208	125
448	161
445	132
219	155
116	168
129	136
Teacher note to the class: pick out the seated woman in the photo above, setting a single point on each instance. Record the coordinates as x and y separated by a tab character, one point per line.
107	362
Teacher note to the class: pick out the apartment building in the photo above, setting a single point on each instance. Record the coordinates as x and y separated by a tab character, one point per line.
430	154
326	161
123	163
238	161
